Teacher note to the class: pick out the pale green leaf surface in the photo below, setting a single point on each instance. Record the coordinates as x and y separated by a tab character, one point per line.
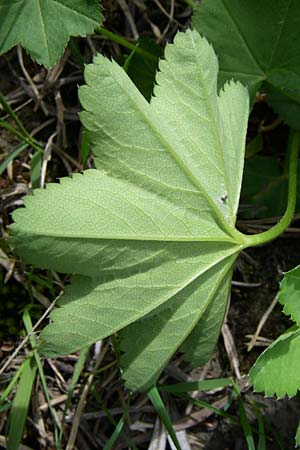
234	110
277	370
43	27
254	41
146	226
95	205
175	140
200	344
289	295
212	129
88	303
167	327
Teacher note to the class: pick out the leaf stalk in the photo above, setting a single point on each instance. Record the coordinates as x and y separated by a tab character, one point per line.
274	232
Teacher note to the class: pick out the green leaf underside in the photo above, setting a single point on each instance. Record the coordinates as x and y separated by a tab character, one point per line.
151	341
200	344
151	231
276	371
43	27
175	142
142	279
255	41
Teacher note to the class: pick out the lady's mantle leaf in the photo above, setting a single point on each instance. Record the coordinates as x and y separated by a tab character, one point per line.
256	41
43	27
150	233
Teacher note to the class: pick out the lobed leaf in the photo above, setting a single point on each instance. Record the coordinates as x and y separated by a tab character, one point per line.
150	234
256	41
43	27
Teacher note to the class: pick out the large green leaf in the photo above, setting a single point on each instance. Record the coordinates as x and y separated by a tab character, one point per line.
43	27
149	234
255	41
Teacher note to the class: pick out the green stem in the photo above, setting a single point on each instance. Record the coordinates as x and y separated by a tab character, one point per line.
124	42
190	3
279	228
12	114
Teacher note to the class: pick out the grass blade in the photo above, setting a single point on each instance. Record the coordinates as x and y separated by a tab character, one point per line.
11	384
246	425
75	377
16	151
118	429
214	409
297	437
261	432
205	385
28	326
20	405
26	139
35	171
244	419
261	445
161	410
13	115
